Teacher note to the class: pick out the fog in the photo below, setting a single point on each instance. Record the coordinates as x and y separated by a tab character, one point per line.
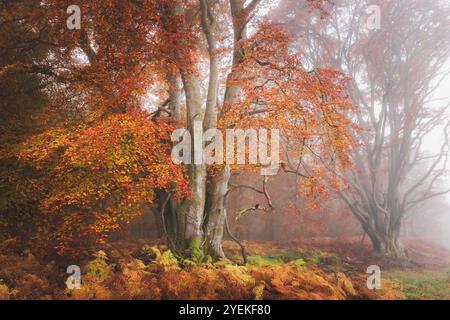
225	149
397	53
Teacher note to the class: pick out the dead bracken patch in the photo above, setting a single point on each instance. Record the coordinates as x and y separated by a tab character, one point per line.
143	270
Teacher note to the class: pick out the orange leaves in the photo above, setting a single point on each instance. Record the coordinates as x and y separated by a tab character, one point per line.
121	50
310	107
102	176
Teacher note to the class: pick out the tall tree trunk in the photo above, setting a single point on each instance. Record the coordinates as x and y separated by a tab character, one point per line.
197	170
216	213
385	238
199	221
218	185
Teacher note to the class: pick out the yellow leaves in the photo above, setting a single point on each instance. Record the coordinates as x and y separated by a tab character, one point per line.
100	177
345	284
258	291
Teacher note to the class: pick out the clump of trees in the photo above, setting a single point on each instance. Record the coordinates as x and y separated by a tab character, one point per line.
396	68
93	157
88	114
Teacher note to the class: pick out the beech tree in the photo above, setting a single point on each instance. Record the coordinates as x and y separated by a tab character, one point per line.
396	68
266	86
217	63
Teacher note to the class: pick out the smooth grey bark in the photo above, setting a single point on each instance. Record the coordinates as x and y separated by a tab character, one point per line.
216	213
185	217
218	185
197	172
178	113
198	223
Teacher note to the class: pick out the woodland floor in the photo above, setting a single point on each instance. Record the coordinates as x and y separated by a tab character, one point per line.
319	268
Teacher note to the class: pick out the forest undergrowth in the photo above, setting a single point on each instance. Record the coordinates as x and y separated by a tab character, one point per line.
320	268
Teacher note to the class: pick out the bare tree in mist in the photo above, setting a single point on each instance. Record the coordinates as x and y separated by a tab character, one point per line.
395	71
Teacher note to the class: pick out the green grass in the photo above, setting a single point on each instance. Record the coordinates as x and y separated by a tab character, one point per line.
426	285
299	257
259	261
319	258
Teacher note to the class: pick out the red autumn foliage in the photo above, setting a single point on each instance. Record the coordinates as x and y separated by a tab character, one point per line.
96	179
